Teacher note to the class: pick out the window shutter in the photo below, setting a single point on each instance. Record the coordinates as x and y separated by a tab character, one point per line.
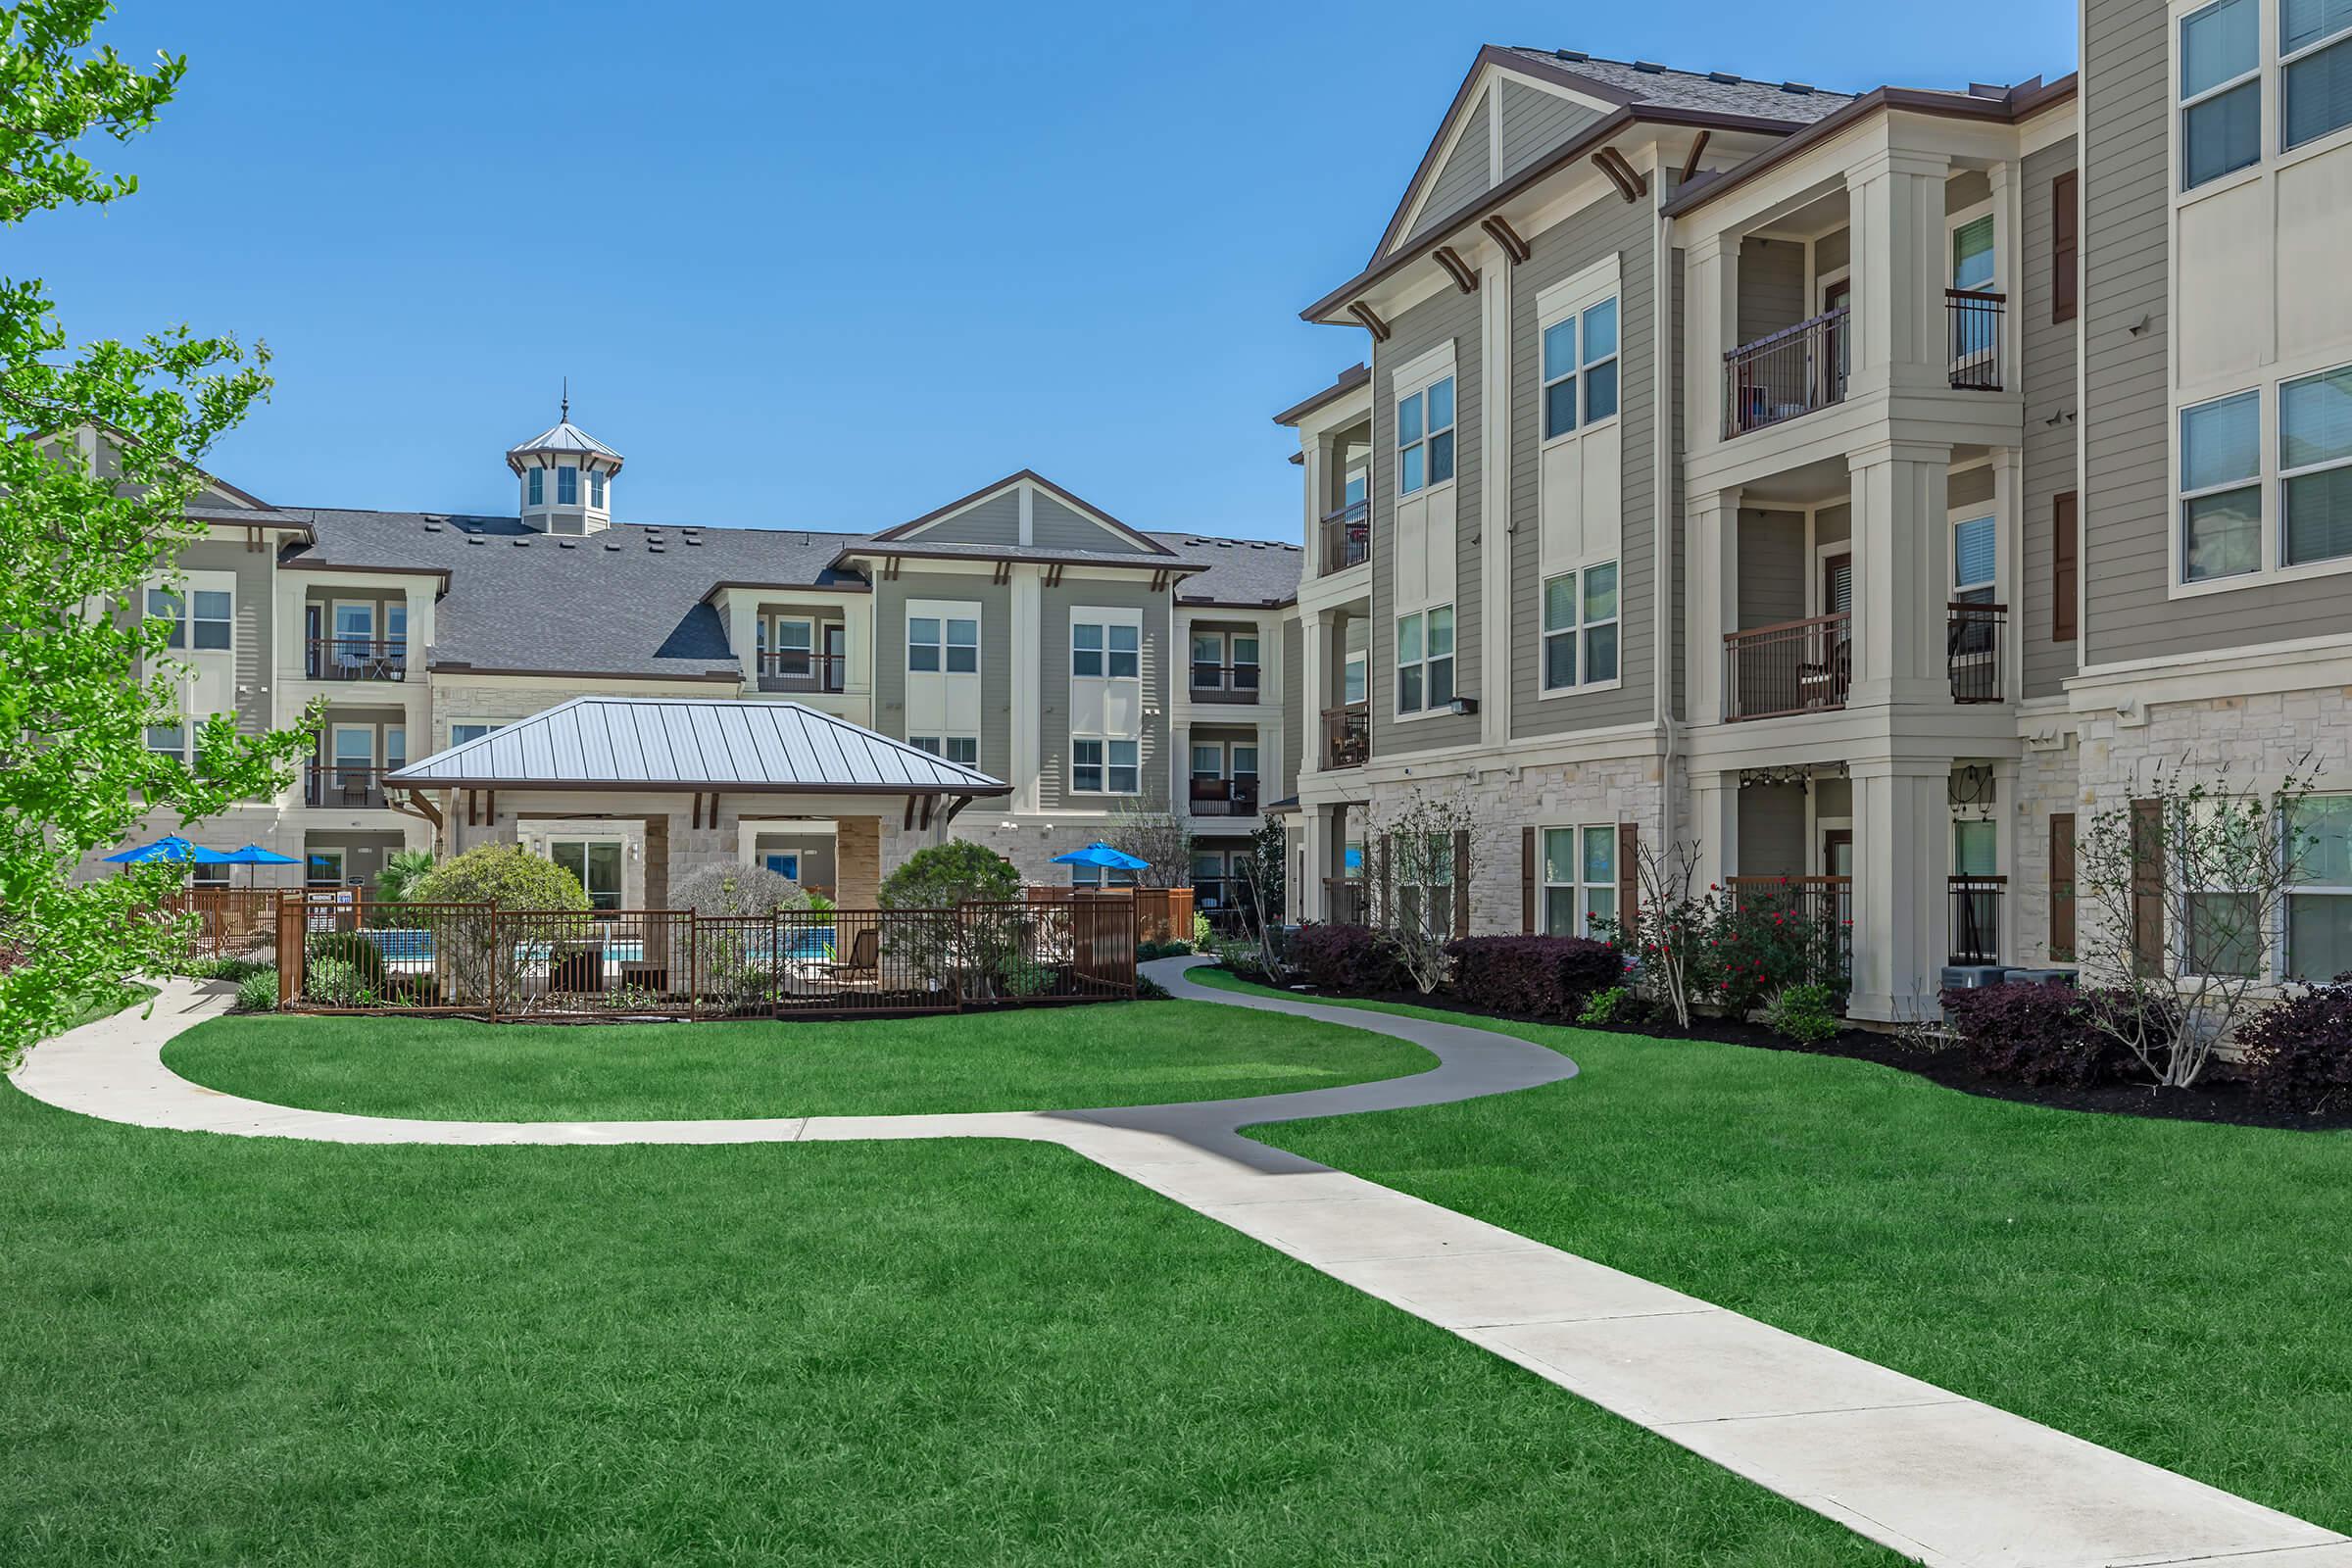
2062	887
1629	876
2066	569
1388	909
1461	882
2066	223
1528	848
2147	888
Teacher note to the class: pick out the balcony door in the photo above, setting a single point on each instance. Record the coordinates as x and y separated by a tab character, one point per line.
837	655
355	765
596	862
1837	338
355	633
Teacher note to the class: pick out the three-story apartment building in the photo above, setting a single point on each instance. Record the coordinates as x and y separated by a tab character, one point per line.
1858	489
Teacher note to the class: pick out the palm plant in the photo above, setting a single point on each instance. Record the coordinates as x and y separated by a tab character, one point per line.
403	869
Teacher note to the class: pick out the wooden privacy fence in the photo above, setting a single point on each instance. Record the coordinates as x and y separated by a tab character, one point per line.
560	965
228	922
1161	914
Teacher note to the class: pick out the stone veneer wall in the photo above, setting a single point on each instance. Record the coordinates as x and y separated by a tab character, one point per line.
2047	781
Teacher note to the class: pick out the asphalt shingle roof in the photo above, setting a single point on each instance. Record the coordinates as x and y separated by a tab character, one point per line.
1720	92
1241	571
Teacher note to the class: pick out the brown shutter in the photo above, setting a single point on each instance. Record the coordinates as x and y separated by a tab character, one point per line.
2147	886
2062	887
1528	848
2065	225
1387	908
1629	876
2066	569
1461	882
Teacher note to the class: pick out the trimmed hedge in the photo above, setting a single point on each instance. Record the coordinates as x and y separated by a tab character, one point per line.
1532	977
2299	1051
1346	957
2035	1034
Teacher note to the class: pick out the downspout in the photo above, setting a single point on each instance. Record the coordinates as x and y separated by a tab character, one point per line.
1666	505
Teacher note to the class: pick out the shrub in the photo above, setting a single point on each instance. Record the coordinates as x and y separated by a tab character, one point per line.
396	884
334	983
736	890
2035	1034
1532	977
258	990
944	875
1146	952
1763	945
1616	1006
1807	1012
1346	957
503	874
2298	1052
1148	989
235	970
354	952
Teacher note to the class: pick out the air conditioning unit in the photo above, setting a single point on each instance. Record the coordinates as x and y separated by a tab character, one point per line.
2039	978
1972	976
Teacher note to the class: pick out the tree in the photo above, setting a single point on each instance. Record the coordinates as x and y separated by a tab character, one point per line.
967	952
1161	838
1428	848
82	673
941	876
1259	874
485	956
1666	929
2186	889
732	889
396	883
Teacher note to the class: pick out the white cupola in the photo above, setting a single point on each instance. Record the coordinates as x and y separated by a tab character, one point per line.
566	479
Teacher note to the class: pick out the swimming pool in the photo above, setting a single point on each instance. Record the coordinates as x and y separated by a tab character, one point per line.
413	949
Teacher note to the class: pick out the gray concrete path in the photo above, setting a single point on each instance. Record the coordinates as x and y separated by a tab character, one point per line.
1940	1478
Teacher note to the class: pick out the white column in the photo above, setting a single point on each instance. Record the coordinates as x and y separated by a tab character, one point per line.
1711	295
1715	827
420	603
743	634
1902	573
1900	270
1314	686
1309	900
2008	253
1179	769
1902	856
2009	564
2007	825
1495	502
1712	522
857	650
1315	457
1027	599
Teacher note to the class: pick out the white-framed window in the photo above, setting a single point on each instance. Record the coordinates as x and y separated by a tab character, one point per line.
1425	660
1579	628
1427	899
2319	903
2221	90
1107	651
1099	766
962	749
462	731
1976	556
1579	369
567	485
325	869
169	740
2315	459
790	642
1425	437
396	748
1974	267
535	484
355	750
1099	877
949	643
1208	879
1579	878
2220	488
2315	57
1224	662
203	618
596	488
596	862
786	865
1355	673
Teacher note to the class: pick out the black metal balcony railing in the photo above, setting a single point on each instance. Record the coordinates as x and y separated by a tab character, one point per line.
1799	667
1344	901
1976	323
800	670
1826	901
1224	796
1791	374
1224	683
331	784
1972	651
1347	735
358	659
1977	917
1347	537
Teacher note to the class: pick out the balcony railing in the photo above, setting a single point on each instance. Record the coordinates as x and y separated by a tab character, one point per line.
358	659
1343	902
1976	323
1224	683
331	784
1347	537
798	670
1224	796
1977	917
1791	374
1828	900
1799	667
1347	735
1972	651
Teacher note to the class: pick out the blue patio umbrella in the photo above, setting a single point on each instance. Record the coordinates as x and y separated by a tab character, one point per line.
174	847
1102	854
255	854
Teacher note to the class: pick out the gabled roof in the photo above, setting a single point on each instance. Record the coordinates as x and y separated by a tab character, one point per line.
693	742
910	529
563	437
1355	378
1241	574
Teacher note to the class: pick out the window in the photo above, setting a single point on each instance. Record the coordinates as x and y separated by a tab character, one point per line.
1104	768
537	481
1974	552
1355	679
396	748
1105	650
2221	501
1593	361
2066	244
1425	660
596	862
1223	661
202	619
164	606
2315	464
2221	91
934	643
1425	437
2066	567
596	488
1096	876
1580	627
1972	255
2319	906
1425	881
460	734
962	749
791	644
787	866
1580	879
170	740
326	869
568	486
354	749
2315	52
1208	879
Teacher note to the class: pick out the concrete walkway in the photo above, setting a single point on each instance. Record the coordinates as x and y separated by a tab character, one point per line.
1940	1478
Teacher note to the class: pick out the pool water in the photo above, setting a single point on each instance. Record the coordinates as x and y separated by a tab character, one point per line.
415	947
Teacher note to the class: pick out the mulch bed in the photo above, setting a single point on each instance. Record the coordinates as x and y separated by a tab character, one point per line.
2217	1099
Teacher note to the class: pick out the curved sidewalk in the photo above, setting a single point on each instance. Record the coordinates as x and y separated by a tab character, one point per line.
1940	1478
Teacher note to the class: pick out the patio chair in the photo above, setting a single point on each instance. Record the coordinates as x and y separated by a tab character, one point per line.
864	965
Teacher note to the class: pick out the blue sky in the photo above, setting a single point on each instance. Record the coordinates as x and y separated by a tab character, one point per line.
829	266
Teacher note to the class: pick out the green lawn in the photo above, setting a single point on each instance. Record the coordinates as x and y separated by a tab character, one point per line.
2174	1290
1108	1053
228	1351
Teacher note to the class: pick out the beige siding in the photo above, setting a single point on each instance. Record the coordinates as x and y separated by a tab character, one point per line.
1054	687
1628	229
1771	568
997	520
1772	830
1054	526
254	633
1772	287
995	600
1536	122
2049	390
1462	176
